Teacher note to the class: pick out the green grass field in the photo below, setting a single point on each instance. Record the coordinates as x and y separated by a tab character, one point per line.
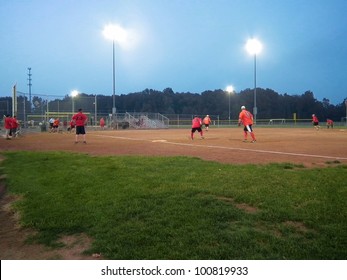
180	207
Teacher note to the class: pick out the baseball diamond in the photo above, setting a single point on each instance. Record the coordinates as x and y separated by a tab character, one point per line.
291	145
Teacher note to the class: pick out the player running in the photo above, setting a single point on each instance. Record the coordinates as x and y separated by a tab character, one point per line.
246	118
315	122
196	126
206	121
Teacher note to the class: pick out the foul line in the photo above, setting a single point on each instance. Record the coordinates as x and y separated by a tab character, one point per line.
221	147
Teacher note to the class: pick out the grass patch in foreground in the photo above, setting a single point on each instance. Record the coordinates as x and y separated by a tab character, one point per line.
182	208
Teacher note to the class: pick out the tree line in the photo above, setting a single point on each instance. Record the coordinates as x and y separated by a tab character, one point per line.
270	104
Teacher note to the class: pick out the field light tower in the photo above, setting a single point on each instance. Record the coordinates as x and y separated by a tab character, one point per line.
74	93
29	84
254	47
230	91
115	33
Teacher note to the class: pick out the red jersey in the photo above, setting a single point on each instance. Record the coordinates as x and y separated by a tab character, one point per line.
246	117
56	122
8	123
80	119
207	120
314	119
196	122
14	123
102	122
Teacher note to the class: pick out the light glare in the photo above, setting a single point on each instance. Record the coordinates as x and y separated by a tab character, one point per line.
229	89
74	93
253	46
115	33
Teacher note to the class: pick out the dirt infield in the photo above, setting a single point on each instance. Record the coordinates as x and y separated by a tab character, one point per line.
305	146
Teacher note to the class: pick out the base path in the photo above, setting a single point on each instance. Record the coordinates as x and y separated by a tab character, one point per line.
292	145
305	146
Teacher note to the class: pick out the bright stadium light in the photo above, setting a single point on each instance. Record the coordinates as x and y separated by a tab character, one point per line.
73	93
230	91
115	33
254	47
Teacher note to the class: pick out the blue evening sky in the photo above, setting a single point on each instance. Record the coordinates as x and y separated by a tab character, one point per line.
187	45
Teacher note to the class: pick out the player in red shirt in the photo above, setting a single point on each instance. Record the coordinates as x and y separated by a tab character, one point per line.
246	118
315	122
8	126
330	123
207	122
56	125
196	126
80	120
72	126
14	126
102	123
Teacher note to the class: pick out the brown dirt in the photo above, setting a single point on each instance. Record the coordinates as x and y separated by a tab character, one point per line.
14	245
300	146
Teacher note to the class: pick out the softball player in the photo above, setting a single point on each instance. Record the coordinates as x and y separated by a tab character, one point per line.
246	118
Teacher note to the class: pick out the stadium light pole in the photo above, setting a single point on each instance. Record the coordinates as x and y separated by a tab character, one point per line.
47	109
229	90
115	33
74	93
254	47
95	111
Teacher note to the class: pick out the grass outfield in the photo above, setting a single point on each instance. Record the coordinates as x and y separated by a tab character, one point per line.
181	207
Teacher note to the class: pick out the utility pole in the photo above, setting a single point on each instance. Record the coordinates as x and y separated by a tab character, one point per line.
29	84
14	100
